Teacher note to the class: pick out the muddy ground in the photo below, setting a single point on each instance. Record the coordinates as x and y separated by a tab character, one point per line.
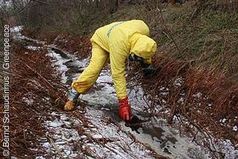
41	75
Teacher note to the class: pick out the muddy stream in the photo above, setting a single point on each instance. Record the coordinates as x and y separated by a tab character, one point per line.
152	137
163	139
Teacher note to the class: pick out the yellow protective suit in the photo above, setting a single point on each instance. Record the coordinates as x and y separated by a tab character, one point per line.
115	42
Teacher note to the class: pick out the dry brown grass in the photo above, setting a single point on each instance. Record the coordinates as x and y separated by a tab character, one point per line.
32	79
208	97
200	47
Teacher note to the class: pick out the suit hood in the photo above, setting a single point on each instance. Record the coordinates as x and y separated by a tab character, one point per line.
143	46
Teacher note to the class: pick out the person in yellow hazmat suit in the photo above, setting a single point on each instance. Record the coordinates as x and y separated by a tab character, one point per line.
115	42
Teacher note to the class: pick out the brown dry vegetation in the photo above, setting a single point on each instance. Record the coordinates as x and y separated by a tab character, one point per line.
201	31
201	47
202	72
78	45
218	97
208	96
197	43
32	82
